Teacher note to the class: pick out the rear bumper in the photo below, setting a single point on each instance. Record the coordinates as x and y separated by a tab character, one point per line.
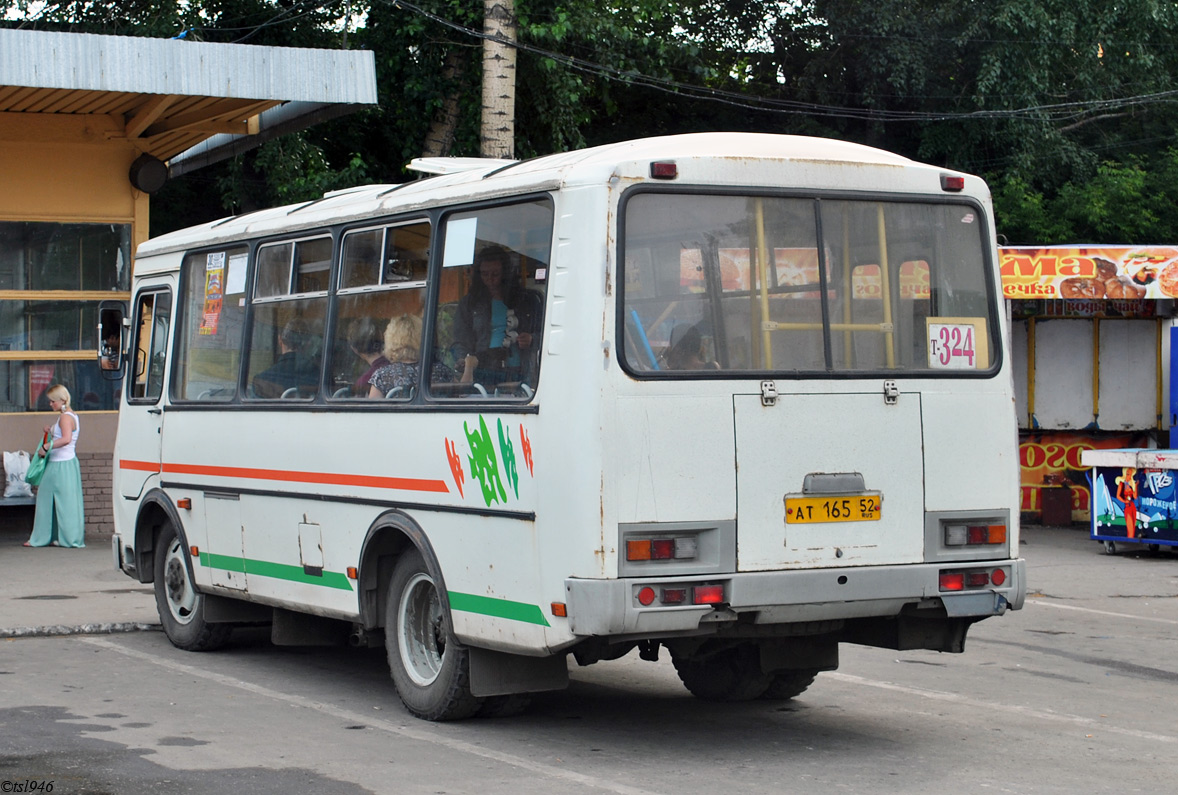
610	607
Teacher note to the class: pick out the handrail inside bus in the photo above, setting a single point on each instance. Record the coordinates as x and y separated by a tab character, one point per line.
885	281
640	334
763	278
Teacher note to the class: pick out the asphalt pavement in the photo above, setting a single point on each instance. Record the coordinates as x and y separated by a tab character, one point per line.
57	591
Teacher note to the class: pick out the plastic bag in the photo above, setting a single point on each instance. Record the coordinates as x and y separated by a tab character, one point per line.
15	466
37	465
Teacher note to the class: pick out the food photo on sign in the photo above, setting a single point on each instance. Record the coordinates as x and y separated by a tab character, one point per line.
1090	273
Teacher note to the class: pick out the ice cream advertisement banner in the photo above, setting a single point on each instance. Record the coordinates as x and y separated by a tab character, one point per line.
1095	273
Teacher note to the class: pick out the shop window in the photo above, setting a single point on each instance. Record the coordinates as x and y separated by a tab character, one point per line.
52	278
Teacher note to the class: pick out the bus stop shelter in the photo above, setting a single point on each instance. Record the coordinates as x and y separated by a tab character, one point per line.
90	126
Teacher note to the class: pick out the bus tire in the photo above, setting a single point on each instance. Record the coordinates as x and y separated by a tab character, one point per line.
430	669
729	674
787	684
180	605
505	706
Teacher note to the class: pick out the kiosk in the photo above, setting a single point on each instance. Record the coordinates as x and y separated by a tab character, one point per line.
1134	497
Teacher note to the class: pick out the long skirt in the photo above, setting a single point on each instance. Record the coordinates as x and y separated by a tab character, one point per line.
60	513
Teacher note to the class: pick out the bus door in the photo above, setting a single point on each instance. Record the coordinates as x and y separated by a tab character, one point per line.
142	415
828	480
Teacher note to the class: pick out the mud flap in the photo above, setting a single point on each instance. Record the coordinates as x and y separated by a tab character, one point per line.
496	673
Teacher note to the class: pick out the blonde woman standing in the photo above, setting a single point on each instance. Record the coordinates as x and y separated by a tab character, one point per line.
60	518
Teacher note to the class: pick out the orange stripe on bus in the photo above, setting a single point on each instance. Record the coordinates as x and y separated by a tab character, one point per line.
324	478
141	466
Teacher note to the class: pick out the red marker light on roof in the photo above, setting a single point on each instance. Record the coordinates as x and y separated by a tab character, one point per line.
952	182
664	169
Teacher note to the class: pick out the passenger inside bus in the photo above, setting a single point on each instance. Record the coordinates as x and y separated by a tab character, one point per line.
496	322
402	350
294	368
686	350
366	341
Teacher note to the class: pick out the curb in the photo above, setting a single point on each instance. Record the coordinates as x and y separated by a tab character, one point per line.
59	630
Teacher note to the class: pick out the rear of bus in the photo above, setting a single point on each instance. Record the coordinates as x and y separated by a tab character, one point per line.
812	437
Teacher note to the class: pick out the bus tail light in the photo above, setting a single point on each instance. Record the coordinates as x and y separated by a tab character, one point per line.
952	183
679	594
962	535
952	581
972	579
707	594
666	548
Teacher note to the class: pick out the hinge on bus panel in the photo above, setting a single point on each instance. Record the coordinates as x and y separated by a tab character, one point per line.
768	393
891	393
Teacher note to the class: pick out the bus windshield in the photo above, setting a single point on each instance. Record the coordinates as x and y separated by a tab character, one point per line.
803	286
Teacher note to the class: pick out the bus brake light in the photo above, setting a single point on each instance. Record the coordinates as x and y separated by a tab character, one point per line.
707	594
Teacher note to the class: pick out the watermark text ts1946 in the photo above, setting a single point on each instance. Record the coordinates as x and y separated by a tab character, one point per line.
26	785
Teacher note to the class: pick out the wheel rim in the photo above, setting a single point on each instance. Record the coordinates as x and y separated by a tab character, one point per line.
421	632
178	591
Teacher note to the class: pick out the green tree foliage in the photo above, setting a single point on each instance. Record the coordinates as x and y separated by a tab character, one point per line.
1067	107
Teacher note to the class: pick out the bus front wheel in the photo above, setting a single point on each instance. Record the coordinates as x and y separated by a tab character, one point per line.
430	669
180	605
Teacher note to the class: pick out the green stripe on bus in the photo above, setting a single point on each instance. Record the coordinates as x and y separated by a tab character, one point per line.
500	608
279	571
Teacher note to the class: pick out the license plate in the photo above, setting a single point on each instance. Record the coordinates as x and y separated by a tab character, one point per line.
835	508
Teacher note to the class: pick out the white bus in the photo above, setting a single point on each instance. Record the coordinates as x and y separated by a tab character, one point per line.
738	397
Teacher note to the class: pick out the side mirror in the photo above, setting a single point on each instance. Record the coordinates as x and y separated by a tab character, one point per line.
112	339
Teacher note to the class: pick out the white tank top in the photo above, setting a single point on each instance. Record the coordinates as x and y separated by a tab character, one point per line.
66	452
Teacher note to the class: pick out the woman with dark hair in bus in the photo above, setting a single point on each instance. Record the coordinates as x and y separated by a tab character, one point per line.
496	321
367	343
60	515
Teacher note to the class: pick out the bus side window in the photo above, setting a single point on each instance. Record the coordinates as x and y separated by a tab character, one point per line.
489	320
149	354
382	277
290	303
210	327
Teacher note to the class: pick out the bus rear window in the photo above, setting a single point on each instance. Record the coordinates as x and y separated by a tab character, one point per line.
804	286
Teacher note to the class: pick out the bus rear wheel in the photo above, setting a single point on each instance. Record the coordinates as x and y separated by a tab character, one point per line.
430	669
728	674
180	605
787	684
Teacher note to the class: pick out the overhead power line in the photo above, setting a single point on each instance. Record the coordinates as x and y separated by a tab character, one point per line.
1055	112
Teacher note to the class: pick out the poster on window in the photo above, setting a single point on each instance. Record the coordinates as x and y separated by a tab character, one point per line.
40	379
214	293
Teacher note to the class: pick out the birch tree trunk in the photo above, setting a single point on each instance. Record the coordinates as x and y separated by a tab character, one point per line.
440	138
498	121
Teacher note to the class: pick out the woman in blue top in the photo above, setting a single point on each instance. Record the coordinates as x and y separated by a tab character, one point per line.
495	322
60	518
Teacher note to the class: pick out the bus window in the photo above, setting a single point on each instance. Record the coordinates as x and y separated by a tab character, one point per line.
210	327
370	294
490	312
290	303
150	349
745	283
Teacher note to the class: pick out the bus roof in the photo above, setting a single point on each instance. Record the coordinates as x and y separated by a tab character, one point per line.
474	181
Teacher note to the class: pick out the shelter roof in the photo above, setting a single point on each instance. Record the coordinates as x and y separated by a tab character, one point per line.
166	96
